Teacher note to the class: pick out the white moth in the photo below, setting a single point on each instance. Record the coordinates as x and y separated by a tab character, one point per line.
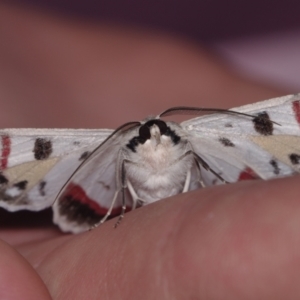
90	175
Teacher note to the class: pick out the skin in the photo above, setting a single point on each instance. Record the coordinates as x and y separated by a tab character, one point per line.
239	241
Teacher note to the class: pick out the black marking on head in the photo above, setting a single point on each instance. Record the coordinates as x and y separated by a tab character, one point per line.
294	158
172	134
42	149
76	143
226	142
84	155
134	142
3	179
275	166
21	185
229	125
263	124
78	212
159	123
144	131
144	134
42	188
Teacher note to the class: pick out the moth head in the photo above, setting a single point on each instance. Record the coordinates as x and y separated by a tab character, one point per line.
153	130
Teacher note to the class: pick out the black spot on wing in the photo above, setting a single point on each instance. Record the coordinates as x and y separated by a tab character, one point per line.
19	199
294	158
42	149
263	124
226	142
21	185
84	155
3	179
42	188
105	185
228	125
274	164
76	211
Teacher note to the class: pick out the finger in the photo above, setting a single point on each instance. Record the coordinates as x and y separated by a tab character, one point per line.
229	242
18	280
247	245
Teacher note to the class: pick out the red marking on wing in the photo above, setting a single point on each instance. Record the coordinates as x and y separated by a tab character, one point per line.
78	194
248	174
296	109
5	142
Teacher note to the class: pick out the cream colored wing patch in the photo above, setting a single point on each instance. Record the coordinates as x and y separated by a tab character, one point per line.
285	148
32	171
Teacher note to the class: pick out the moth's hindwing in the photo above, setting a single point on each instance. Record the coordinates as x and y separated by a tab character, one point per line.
88	196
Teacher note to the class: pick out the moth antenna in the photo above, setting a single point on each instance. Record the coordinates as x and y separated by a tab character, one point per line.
185	110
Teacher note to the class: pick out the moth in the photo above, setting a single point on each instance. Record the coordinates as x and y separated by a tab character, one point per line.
88	175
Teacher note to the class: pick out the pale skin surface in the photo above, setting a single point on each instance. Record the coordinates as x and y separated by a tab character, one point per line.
238	241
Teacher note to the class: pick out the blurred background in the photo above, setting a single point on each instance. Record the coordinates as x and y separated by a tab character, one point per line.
73	63
260	39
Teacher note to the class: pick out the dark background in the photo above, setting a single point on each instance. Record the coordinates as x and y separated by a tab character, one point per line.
201	20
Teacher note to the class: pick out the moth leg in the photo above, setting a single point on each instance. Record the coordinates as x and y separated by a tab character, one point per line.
200	178
188	175
108	212
125	183
124	186
120	187
199	174
135	197
187	182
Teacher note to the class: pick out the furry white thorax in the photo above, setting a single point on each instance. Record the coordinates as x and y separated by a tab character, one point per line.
158	168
